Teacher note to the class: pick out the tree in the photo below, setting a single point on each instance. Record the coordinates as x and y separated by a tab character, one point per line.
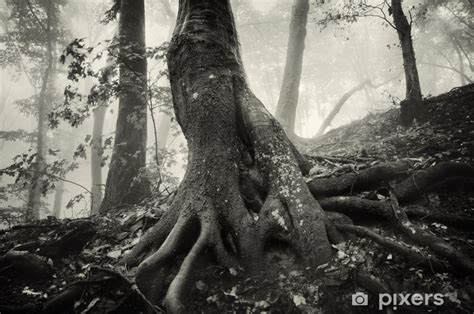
243	186
164	119
288	100
98	115
34	36
411	106
353	10
327	121
448	29
125	185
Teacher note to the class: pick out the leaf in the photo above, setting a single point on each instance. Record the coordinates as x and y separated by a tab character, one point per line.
114	254
298	299
31	292
262	304
232	292
233	271
213	298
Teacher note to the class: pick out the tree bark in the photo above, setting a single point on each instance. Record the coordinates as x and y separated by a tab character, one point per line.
164	119
96	157
327	122
58	199
411	106
39	166
98	116
232	140
289	93
125	185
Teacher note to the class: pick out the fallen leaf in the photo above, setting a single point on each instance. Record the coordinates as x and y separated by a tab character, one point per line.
298	299
114	254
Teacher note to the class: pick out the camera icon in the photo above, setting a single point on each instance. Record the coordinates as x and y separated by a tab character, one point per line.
360	299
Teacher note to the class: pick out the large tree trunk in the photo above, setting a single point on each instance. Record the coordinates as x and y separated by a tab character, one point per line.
411	106
243	188
327	122
288	100
125	185
39	166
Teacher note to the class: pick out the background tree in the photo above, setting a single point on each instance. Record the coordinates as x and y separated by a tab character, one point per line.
351	12
411	106
125	183
33	32
288	100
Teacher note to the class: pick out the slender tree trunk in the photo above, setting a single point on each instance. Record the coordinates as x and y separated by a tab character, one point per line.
96	158
462	71
411	106
164	119
288	100
327	122
67	148
125	185
39	166
97	150
243	186
58	199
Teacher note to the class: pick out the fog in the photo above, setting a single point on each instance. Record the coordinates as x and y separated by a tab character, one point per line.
337	57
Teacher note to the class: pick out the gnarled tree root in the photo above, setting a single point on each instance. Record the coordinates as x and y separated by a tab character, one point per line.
412	256
363	180
414	186
424	181
358	207
425	238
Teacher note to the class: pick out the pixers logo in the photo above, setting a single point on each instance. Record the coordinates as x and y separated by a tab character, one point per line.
410	299
396	300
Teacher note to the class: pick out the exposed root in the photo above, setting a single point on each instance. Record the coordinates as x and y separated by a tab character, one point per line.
222	254
424	181
373	286
363	180
409	254
173	299
358	207
299	214
153	239
425	238
413	187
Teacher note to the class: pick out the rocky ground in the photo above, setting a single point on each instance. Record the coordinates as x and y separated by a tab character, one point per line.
74	266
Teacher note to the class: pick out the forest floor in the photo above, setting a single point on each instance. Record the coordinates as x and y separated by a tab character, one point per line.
73	266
